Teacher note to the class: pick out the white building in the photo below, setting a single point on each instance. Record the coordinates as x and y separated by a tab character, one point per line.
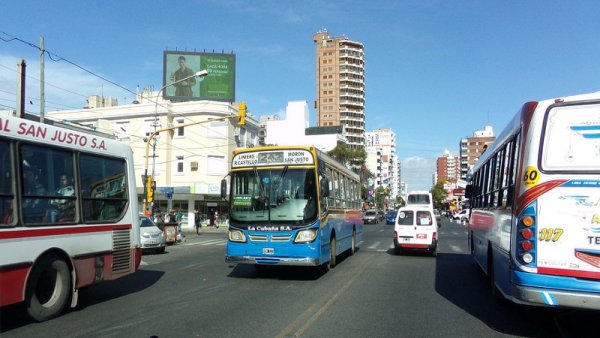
189	160
293	129
382	160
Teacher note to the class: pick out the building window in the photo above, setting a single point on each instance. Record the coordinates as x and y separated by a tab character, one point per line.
122	130
179	165
180	129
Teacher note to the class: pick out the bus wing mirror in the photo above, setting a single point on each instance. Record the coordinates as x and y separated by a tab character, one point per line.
324	187
223	188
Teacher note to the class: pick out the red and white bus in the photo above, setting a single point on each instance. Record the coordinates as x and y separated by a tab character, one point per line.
68	214
535	205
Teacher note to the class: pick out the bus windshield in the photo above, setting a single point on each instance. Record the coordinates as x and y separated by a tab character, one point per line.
264	196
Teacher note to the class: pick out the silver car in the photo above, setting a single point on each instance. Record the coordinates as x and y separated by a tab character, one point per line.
152	238
370	216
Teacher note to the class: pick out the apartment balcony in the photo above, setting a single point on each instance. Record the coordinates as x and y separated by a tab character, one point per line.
351	103
352	96
352	78
351	72
352	116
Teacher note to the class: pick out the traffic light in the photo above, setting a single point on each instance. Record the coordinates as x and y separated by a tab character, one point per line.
150	187
242	114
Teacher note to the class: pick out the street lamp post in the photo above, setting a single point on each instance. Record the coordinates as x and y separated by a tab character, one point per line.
200	73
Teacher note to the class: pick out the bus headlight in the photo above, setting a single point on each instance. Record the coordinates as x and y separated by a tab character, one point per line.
305	236
236	236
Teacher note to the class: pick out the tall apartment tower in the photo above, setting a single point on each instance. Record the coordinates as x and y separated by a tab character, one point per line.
472	147
340	84
448	168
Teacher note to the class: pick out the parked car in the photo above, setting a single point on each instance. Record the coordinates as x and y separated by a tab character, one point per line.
370	216
416	229
151	237
462	216
390	217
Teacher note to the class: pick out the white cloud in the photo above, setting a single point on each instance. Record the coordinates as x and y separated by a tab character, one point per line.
417	172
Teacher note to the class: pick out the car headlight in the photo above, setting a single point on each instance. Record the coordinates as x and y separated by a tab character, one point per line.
236	236
145	235
305	236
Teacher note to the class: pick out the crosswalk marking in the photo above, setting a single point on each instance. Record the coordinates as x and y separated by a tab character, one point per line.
208	242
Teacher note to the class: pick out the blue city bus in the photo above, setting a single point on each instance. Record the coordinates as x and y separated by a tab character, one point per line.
535	205
291	205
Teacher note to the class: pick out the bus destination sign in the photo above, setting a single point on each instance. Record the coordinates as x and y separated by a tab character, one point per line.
277	157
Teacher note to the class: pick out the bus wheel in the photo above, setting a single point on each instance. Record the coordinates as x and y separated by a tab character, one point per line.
353	247
492	276
48	288
332	253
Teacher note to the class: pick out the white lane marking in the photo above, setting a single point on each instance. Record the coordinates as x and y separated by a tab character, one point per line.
456	248
374	245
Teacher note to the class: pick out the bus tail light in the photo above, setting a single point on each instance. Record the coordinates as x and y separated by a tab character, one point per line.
527	245
527	221
526	233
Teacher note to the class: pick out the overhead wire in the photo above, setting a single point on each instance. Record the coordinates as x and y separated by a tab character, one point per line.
57	58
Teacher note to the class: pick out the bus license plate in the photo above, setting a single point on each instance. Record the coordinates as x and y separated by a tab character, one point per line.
268	251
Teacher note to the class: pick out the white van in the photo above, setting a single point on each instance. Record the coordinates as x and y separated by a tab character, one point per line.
416	229
419	198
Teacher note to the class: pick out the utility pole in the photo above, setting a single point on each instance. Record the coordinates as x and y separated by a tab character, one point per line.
42	94
21	70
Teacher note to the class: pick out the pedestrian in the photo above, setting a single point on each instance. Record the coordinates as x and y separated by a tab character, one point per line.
216	219
178	219
197	221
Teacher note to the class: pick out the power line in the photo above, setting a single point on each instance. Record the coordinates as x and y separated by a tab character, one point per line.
57	58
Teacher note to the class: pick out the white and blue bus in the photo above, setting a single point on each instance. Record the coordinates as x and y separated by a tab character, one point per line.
291	205
535	205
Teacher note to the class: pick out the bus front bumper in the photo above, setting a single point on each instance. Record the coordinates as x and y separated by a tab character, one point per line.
273	260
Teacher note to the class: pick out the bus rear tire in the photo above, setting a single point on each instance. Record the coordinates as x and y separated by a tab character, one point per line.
496	294
48	288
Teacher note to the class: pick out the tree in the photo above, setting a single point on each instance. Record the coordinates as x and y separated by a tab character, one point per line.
438	194
355	160
381	194
352	158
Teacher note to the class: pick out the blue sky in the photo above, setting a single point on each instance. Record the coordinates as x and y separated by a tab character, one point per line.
436	70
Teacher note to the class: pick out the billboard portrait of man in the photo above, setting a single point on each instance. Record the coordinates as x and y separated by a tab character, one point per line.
179	66
218	85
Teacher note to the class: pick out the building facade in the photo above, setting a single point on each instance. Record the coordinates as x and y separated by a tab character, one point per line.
293	129
472	147
383	161
340	84
187	162
447	168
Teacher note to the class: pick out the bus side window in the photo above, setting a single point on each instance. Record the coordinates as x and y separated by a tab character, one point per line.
6	187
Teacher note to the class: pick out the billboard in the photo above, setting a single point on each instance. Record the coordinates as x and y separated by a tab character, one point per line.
218	85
